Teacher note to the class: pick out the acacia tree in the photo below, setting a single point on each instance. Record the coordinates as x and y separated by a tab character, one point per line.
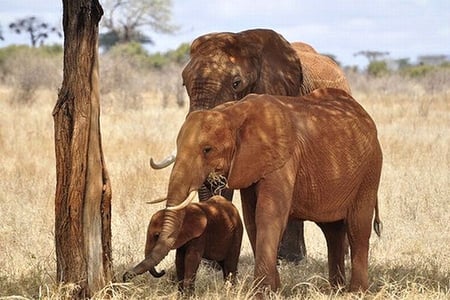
372	55
83	190
37	29
126	20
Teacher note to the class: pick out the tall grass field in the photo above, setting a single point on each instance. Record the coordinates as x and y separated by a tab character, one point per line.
411	259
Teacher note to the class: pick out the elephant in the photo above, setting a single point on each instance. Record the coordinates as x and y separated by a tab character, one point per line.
314	157
227	66
211	229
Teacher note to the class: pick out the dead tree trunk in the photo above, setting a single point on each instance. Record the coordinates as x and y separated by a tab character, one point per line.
83	190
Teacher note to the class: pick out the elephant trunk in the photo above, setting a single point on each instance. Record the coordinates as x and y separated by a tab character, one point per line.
155	273
180	184
170	230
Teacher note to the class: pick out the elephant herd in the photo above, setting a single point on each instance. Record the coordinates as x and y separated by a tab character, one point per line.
276	121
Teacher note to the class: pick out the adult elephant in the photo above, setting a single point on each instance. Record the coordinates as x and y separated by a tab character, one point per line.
315	157
226	66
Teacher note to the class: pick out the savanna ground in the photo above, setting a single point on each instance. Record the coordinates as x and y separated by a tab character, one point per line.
411	260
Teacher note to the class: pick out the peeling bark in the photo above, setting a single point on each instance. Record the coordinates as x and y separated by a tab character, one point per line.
83	190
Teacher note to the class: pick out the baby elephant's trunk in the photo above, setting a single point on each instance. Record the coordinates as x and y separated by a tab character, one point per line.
155	273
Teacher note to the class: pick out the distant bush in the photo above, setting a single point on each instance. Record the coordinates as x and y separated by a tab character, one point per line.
377	68
417	71
27	69
134	53
137	54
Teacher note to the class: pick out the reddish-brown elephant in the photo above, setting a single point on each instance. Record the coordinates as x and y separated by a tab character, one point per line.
211	229
315	157
227	66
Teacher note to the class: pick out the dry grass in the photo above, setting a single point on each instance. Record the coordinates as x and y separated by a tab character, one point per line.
410	261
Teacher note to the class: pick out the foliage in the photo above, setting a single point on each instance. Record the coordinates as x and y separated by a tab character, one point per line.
403	63
27	69
111	38
178	56
139	56
125	21
372	55
417	71
377	68
133	51
37	29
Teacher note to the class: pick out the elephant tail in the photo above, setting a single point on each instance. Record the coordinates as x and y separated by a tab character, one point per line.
377	224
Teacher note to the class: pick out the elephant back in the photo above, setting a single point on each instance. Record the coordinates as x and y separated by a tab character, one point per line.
319	71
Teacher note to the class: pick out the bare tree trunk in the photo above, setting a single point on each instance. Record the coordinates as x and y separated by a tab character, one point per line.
83	190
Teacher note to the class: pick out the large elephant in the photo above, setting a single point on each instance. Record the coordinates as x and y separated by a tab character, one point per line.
225	66
315	157
211	229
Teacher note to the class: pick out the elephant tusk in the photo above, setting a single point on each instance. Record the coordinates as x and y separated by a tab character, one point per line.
164	163
156	201
184	203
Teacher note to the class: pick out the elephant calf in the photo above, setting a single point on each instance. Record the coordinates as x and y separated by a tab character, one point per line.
210	230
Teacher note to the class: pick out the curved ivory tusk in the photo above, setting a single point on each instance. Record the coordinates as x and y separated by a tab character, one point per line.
156	201
164	163
184	203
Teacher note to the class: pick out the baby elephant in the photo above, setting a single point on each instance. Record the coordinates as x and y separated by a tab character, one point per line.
211	230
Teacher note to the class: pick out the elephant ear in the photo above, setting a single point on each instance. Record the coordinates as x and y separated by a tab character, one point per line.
264	139
193	226
280	70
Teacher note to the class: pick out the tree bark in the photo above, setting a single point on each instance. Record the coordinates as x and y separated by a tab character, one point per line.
83	190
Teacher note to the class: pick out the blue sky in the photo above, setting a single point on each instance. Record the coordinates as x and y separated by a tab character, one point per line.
405	28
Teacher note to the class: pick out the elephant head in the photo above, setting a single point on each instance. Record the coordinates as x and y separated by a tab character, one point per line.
225	66
211	144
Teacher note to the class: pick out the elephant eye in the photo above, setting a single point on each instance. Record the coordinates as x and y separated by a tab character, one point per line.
236	82
207	149
156	235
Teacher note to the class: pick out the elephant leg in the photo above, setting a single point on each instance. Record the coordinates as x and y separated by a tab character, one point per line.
230	263
248	201
359	221
192	260
359	248
335	236
292	247
179	264
271	216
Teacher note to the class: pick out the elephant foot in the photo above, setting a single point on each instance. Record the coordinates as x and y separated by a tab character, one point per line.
128	275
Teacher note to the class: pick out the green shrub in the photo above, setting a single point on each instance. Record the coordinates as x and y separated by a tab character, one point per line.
417	71
377	68
27	69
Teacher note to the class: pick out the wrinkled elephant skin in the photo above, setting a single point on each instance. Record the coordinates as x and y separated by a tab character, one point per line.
315	157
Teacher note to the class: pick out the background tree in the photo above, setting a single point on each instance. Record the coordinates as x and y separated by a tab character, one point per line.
83	190
1	33
37	29
372	55
126	21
